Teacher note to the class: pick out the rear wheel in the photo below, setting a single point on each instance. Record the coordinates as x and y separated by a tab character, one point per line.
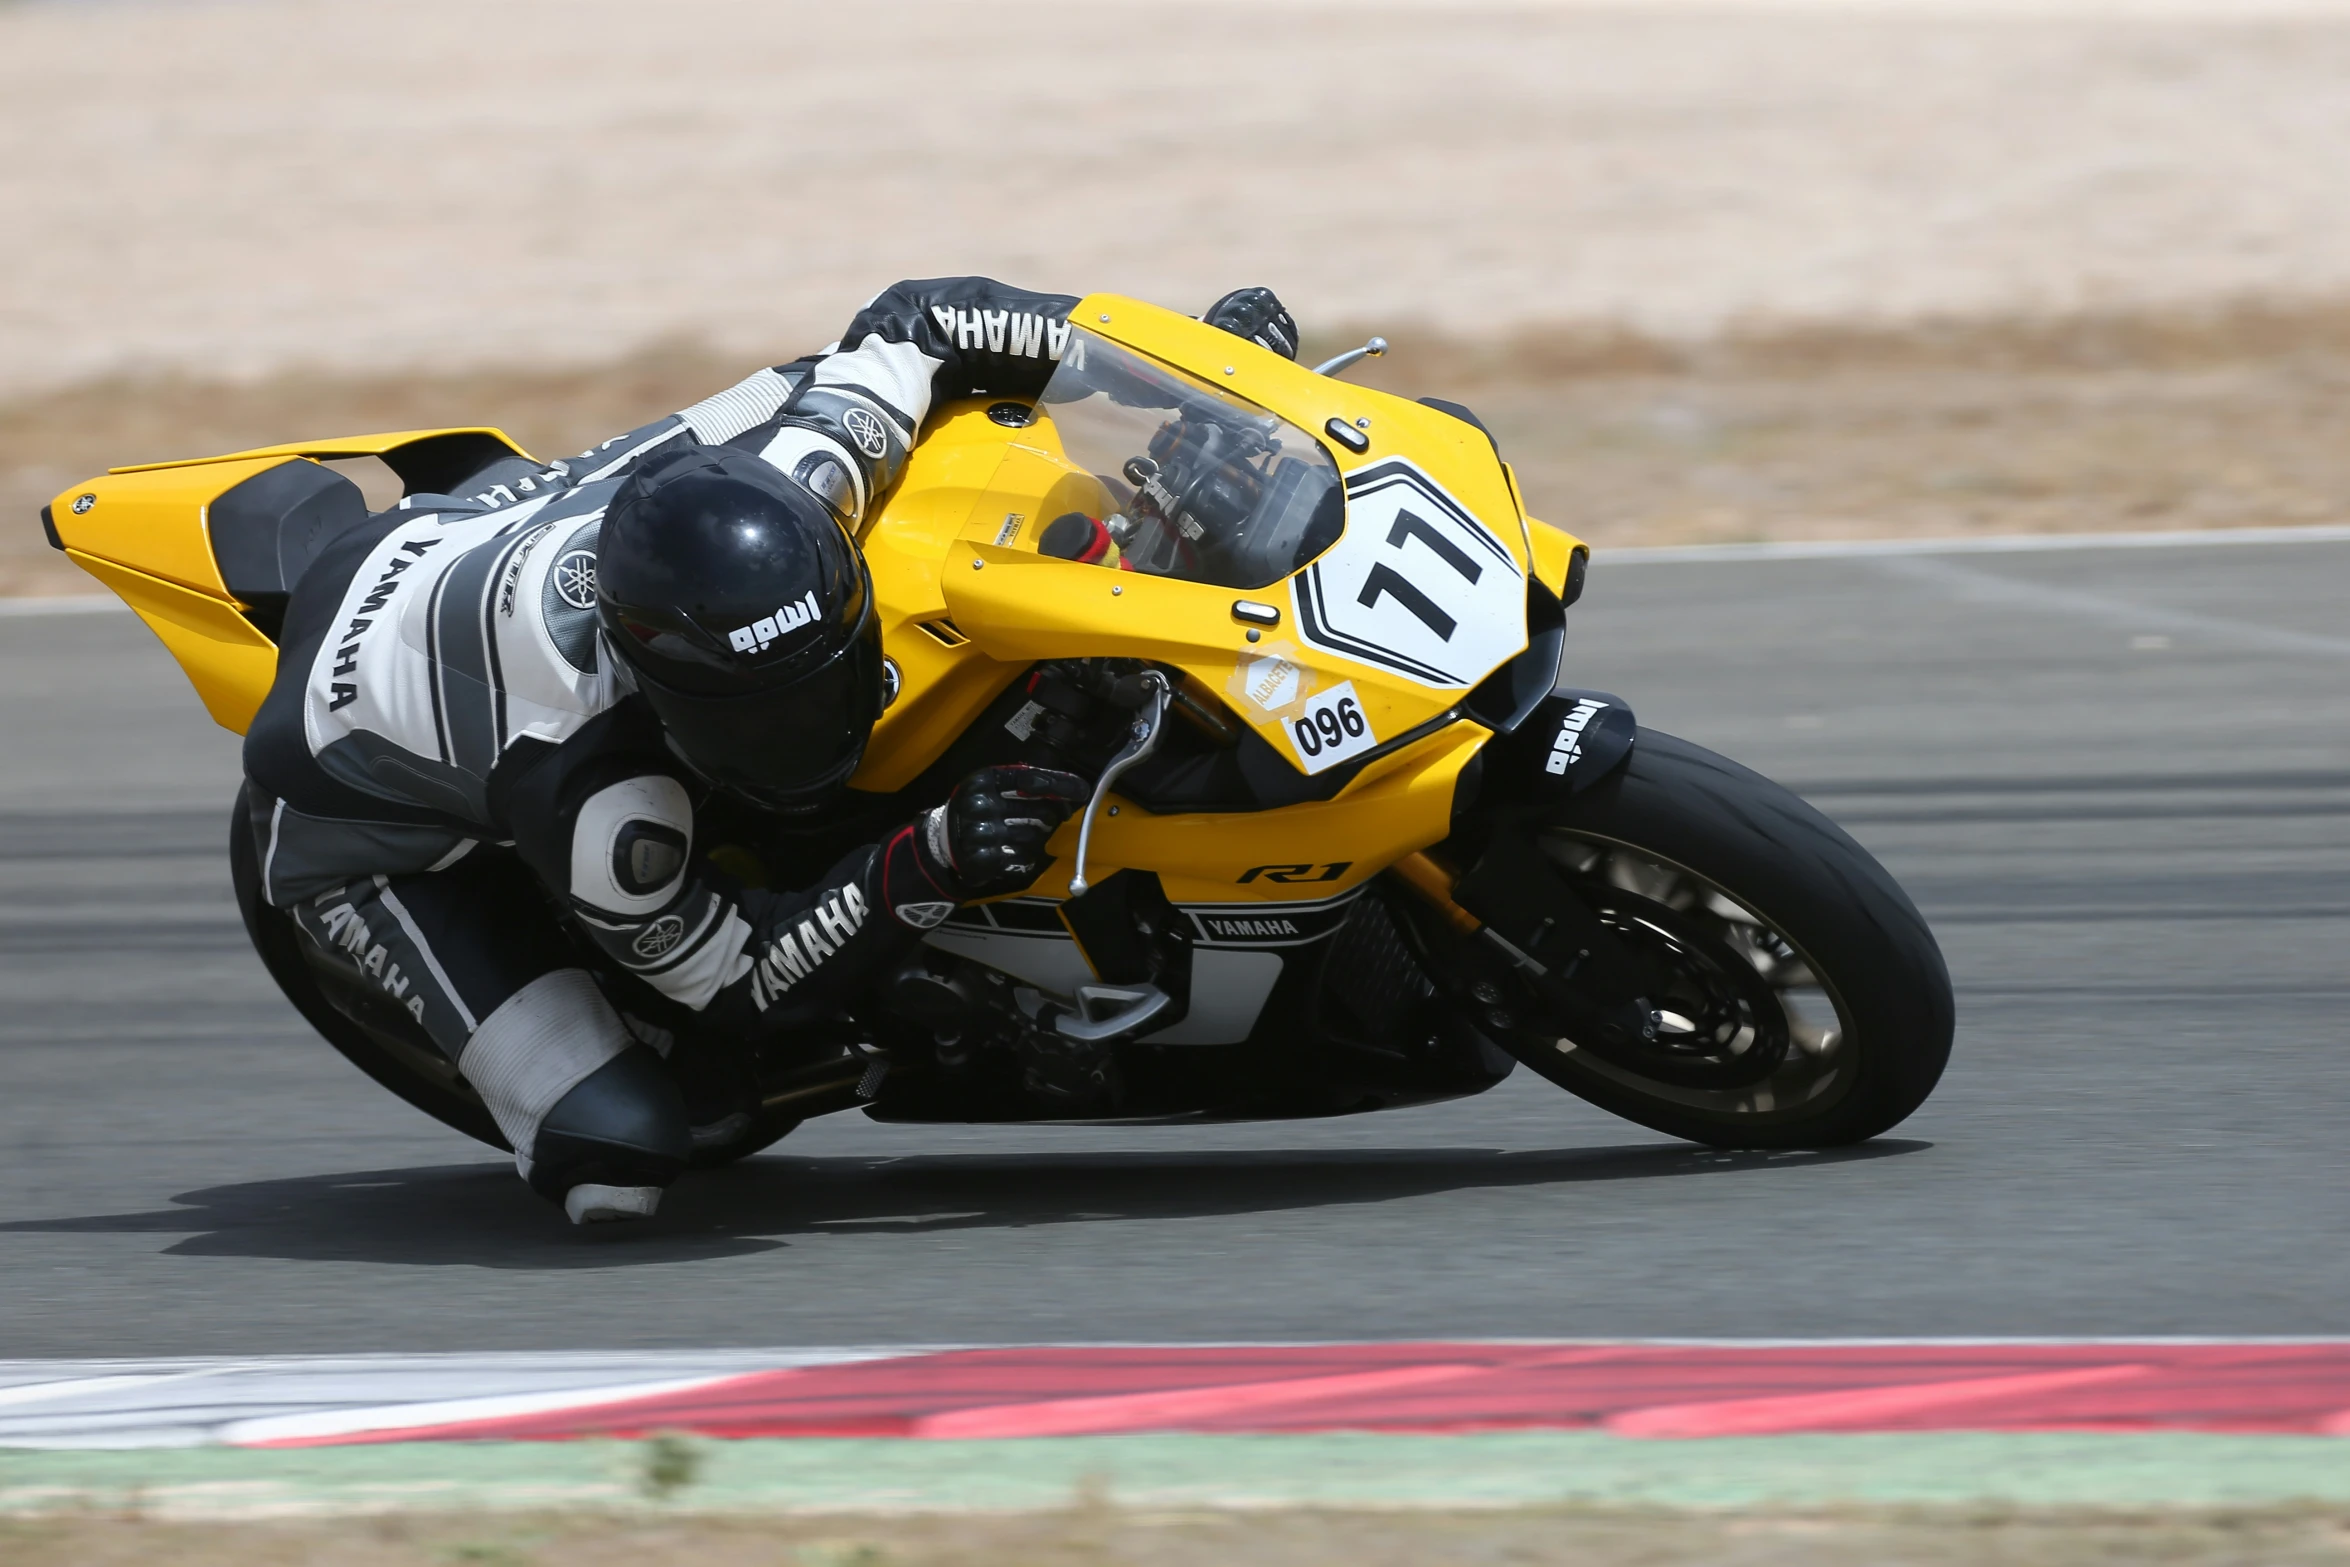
738	1137
1792	995
373	1036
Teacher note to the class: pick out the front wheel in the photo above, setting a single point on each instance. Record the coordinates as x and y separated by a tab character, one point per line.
1791	994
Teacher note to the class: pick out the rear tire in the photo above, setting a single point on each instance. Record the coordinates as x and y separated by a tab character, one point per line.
1719	869
410	1067
385	1044
758	1131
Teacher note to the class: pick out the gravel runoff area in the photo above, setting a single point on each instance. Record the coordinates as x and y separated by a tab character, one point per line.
1745	270
1111	1537
2138	421
1528	1498
244	185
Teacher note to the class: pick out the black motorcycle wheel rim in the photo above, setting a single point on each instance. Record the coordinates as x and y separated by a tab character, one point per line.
1739	985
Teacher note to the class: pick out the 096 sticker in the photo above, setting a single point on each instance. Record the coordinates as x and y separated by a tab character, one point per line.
1331	727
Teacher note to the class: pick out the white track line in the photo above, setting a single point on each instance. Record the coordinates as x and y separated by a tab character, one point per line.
1990	544
62	604
269	1430
206	1400
1968	585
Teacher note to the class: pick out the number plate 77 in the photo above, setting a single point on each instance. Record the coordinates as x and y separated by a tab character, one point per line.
1330	728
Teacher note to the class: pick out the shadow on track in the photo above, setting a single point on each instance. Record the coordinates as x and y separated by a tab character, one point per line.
479	1215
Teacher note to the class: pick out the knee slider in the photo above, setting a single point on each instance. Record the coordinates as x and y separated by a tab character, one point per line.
623	1125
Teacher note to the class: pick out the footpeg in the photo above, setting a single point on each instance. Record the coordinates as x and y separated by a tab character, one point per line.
1112	1012
876	1071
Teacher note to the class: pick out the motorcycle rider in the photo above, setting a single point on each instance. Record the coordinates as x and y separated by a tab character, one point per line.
486	699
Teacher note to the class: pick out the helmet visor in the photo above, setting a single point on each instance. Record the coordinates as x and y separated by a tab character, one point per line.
781	747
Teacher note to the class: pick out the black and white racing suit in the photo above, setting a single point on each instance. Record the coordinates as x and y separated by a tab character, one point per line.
445	727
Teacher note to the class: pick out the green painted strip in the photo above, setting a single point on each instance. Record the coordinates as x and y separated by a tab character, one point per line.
1487	1470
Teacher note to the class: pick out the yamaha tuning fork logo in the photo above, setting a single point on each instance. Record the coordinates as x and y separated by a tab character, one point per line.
866	431
660	938
575	579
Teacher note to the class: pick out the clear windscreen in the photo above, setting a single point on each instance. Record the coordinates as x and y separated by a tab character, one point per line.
1200	485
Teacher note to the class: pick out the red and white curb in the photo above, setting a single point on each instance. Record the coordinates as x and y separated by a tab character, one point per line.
239	1402
1648	1389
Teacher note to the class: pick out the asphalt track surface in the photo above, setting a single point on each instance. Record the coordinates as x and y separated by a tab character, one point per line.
2117	781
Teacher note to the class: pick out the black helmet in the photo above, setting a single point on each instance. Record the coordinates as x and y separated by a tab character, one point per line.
747	618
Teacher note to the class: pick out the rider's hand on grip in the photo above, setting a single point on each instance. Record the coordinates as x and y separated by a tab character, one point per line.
1258	315
989	837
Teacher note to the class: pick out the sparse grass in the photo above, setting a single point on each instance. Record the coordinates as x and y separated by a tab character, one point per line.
2216	418
1090	1535
672	1461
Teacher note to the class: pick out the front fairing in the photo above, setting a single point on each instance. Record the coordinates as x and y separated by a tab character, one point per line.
1341	651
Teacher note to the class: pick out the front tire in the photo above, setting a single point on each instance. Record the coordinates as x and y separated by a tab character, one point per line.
1806	1004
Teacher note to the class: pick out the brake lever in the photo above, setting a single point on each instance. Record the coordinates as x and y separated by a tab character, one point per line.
1141	738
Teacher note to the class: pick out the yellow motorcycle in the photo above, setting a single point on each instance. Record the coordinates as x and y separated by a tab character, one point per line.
1354	845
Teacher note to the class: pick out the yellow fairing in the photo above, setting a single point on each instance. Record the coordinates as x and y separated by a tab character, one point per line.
385	443
1017	605
228	662
967	603
142	533
945	678
1554	553
1400	803
153	519
142	530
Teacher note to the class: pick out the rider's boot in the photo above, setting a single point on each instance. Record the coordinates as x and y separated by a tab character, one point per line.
597	1124
612	1144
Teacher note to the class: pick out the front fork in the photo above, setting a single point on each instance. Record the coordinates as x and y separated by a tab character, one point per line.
1531	942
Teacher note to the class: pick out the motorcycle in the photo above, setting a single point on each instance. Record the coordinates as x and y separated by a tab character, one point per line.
1356	844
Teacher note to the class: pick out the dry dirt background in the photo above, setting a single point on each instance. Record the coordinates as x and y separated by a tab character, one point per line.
1742	270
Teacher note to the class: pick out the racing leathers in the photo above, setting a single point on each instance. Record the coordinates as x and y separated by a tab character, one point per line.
446	730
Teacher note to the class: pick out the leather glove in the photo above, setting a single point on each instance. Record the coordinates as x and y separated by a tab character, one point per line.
1256	314
989	837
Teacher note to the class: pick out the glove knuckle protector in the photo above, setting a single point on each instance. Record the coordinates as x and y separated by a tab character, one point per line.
1258	315
976	843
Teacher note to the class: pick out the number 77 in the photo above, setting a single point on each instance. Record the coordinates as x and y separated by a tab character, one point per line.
1393	583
